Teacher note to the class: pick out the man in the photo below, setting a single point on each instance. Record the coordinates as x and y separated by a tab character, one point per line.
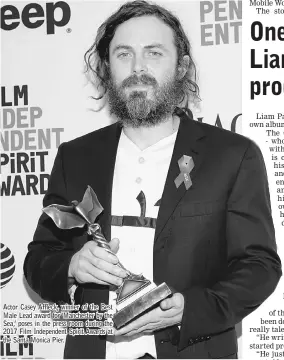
213	241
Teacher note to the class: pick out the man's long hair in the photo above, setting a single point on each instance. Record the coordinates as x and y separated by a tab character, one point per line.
97	57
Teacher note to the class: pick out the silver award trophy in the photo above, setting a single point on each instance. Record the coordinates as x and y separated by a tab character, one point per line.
136	294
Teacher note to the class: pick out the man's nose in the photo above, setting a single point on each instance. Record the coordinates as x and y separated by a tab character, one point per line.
139	65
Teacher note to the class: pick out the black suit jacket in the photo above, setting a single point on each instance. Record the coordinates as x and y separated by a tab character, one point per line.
214	243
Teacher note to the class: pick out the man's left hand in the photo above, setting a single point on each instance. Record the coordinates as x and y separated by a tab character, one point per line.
168	313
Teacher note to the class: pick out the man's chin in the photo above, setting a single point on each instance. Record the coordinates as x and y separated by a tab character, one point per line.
138	93
143	118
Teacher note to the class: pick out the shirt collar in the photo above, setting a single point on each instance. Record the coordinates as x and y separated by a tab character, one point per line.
128	145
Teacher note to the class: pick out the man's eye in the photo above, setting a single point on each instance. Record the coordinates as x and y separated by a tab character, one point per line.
123	55
155	53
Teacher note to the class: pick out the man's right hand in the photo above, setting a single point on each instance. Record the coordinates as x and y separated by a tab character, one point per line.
96	265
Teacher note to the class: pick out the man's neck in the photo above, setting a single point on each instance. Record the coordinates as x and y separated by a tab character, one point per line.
144	137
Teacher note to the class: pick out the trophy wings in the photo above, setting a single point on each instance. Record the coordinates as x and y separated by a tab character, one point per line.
77	214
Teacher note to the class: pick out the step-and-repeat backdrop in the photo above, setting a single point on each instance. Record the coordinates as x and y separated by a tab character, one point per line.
46	100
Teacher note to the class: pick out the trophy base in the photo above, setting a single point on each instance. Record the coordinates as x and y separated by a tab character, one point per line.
143	303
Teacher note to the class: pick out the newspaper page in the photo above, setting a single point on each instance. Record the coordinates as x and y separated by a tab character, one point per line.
46	100
262	86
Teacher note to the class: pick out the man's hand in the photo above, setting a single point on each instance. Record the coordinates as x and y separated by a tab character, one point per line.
167	314
94	264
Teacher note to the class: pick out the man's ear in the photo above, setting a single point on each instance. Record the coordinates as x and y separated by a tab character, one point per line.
183	66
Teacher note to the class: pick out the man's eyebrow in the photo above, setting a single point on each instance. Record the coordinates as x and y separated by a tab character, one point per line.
121	46
156	45
128	47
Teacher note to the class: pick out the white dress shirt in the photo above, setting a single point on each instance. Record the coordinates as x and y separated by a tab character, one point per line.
135	171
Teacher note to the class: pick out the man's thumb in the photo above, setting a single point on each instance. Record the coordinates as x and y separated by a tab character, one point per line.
114	245
166	304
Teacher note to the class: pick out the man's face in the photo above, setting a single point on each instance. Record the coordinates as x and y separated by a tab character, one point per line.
143	84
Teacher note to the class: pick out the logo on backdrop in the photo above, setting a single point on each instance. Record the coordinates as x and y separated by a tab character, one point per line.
234	122
24	144
35	15
17	346
220	22
7	265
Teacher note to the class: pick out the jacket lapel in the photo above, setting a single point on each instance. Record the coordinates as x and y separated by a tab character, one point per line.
102	172
187	143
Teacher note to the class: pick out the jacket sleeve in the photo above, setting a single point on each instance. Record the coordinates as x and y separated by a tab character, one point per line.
49	254
254	267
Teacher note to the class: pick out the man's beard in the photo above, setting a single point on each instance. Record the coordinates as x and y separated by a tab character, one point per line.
136	109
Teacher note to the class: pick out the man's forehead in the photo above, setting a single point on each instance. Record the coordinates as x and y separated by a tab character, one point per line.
143	31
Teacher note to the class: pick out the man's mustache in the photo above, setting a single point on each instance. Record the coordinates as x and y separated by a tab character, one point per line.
139	80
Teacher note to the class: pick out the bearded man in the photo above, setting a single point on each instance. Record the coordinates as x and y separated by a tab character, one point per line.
211	236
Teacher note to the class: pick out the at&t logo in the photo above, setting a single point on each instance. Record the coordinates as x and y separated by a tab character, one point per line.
7	265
